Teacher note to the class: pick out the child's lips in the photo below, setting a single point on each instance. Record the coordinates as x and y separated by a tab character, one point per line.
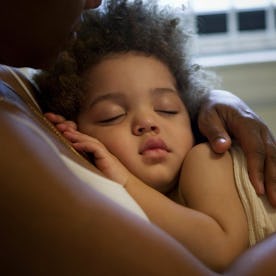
153	145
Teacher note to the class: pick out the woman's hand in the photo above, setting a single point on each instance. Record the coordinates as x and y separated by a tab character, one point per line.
223	115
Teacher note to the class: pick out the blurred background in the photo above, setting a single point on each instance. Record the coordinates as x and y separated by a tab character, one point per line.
237	40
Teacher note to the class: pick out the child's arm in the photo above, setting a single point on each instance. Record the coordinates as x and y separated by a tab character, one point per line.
214	227
217	232
207	185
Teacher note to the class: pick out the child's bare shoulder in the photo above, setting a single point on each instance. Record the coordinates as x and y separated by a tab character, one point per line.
203	165
203	148
204	152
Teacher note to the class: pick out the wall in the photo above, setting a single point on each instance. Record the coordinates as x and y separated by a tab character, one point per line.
255	83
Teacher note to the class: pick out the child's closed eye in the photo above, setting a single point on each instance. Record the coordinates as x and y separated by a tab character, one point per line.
168	112
114	119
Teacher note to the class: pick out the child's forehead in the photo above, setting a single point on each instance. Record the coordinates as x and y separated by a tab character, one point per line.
129	63
124	56
130	71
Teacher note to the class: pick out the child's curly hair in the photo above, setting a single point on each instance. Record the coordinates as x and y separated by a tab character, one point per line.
122	26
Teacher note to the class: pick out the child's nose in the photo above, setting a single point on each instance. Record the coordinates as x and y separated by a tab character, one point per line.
145	126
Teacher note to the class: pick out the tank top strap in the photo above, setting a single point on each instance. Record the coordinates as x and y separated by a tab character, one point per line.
28	96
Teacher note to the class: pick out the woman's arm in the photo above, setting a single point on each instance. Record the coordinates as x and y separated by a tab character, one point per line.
258	260
225	230
52	223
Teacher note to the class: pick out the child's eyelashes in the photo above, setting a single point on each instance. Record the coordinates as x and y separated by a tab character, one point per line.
167	112
119	118
112	119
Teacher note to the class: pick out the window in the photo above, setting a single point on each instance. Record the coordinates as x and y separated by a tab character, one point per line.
251	20
231	26
211	23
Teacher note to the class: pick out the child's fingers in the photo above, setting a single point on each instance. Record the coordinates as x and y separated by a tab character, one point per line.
80	144
71	136
99	151
70	125
60	122
66	126
74	136
54	118
86	147
84	137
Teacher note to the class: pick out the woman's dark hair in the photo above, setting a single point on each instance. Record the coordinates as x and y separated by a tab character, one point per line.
122	26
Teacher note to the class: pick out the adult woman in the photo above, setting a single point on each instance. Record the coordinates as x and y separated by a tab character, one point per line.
52	220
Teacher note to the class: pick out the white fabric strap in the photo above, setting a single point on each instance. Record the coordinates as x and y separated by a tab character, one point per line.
22	84
260	215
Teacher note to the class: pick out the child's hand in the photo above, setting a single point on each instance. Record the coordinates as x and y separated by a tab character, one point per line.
60	122
105	161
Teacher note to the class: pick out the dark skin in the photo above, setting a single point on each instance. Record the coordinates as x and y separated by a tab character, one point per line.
52	222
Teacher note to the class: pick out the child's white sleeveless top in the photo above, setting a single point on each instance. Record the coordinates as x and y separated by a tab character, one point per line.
260	215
